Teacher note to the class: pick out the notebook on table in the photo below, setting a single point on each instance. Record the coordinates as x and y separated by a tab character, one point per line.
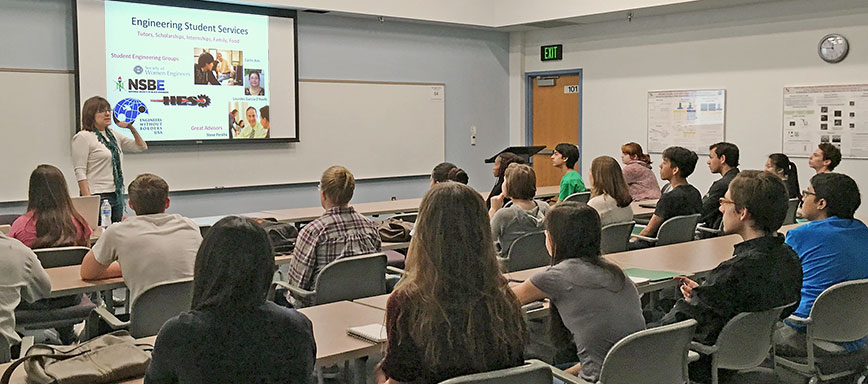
375	333
649	274
648	205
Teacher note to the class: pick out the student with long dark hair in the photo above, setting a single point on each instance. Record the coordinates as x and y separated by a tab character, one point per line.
780	164
453	313
448	172
501	162
51	220
232	333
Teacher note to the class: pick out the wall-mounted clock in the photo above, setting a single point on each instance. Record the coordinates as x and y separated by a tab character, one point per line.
833	48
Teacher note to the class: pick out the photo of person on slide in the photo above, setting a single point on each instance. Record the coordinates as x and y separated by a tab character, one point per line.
203	70
254	76
234	124
224	68
251	126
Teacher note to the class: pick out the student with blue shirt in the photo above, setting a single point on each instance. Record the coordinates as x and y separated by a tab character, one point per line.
831	250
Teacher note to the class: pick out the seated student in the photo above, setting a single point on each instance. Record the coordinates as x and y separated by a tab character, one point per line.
592	297
780	164
339	232
722	159
265	122
231	333
51	220
448	172
637	172
831	248
682	199
763	272
147	249
825	158
501	162
525	215
452	313
22	279
609	193
564	158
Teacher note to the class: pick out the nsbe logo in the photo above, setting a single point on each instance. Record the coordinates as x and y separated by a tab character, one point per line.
202	100
141	84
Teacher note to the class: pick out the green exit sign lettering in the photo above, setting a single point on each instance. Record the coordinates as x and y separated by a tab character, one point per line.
551	52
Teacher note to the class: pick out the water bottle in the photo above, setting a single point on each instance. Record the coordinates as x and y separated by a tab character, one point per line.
105	210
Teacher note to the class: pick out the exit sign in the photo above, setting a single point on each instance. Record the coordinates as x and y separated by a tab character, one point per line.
551	52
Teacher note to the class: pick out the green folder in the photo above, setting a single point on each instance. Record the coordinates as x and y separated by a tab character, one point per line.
649	274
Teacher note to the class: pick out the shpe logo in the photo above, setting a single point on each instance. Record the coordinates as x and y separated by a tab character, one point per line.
202	100
127	110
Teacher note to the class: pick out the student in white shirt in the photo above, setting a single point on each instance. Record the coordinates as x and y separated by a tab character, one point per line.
610	195
22	278
98	151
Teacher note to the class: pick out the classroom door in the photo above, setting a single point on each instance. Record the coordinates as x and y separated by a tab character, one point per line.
555	119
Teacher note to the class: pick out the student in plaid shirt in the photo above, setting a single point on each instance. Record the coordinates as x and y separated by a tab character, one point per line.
339	232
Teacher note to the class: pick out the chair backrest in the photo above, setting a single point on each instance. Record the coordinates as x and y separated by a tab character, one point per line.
88	208
532	372
579	197
745	340
408	217
351	278
792	208
839	314
526	252
9	218
614	237
677	229
653	356
157	304
5	353
60	256
5	228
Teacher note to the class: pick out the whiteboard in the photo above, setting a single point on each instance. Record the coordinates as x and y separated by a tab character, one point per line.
693	119
836	114
375	129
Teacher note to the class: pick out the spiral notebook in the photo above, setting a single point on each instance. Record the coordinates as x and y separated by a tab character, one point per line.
375	333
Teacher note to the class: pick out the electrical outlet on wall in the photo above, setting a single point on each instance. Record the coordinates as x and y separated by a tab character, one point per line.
472	135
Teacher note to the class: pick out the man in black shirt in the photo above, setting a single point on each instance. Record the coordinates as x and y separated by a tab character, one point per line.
682	199
763	273
722	159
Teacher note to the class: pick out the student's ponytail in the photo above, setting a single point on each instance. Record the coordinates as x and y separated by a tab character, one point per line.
458	174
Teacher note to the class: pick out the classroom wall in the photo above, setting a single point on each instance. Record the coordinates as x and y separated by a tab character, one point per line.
751	51
473	63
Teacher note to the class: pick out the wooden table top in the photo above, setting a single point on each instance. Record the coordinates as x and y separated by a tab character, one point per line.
378	302
67	281
330	324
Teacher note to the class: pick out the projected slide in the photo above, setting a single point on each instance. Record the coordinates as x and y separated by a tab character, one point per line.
194	74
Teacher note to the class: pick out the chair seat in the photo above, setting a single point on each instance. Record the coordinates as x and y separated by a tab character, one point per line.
828	363
28	318
394	258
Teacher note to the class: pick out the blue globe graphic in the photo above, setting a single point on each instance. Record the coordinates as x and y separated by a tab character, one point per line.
127	110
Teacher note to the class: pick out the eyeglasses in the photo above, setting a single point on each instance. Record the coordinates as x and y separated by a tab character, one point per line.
724	200
806	192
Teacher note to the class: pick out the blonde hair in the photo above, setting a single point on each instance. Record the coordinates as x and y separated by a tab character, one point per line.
520	181
337	184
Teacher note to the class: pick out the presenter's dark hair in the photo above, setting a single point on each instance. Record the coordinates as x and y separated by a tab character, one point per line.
148	194
570	152
48	199
840	192
681	158
263	113
831	153
234	266
764	195
782	162
89	110
205	58
449	172
727	150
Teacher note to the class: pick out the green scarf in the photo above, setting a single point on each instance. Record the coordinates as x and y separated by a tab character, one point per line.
112	144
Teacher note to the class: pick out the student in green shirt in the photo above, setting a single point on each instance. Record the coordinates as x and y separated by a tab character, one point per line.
564	159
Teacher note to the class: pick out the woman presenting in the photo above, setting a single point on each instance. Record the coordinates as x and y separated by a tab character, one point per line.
97	152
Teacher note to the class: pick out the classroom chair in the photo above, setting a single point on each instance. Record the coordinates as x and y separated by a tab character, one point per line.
792	209
5	228
614	237
705	232
839	314
60	313
348	278
5	352
532	372
653	356
148	312
743	343
8	219
579	197
677	229
526	252
408	217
